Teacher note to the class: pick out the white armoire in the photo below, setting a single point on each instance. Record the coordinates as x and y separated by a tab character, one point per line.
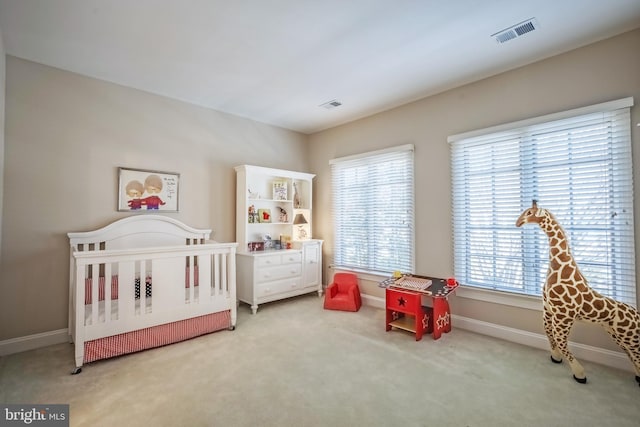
277	258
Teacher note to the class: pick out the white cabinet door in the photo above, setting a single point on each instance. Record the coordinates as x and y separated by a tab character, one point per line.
312	263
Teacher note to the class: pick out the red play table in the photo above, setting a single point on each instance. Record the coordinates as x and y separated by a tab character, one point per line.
405	309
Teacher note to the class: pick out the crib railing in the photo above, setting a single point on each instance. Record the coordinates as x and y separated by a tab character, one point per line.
186	281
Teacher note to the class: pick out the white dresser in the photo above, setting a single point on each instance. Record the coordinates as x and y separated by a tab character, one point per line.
273	275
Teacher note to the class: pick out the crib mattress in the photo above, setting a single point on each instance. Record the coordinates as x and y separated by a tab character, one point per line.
155	336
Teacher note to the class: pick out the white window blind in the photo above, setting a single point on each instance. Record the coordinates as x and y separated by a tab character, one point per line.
373	211
577	165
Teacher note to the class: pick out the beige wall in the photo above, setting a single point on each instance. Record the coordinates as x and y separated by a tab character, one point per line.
600	72
65	137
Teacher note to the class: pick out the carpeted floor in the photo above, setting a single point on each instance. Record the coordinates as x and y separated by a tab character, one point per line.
295	364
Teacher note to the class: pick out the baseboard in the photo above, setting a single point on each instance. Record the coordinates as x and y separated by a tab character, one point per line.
372	301
605	357
31	342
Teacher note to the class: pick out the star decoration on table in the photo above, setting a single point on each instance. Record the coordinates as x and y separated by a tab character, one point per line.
443	320
425	321
402	302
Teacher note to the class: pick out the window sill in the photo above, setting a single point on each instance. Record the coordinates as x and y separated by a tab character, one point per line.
498	297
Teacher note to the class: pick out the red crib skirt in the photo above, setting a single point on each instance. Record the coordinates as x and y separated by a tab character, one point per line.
156	336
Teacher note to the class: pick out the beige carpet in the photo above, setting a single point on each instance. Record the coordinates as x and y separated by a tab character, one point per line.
295	364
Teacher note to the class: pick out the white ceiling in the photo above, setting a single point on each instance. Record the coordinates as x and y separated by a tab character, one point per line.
276	61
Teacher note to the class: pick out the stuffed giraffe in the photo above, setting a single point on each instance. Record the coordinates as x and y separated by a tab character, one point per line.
567	297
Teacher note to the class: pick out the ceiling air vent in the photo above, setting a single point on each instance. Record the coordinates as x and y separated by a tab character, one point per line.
516	30
331	104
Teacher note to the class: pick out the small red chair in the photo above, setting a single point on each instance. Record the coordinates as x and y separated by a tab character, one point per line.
343	293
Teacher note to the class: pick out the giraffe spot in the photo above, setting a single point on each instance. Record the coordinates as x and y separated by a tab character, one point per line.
566	322
598	304
553	278
572	291
564	258
553	293
587	308
566	272
583	289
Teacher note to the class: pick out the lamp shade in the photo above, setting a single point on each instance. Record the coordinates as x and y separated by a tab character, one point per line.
300	219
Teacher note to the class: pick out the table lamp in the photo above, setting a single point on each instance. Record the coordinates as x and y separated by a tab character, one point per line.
300	220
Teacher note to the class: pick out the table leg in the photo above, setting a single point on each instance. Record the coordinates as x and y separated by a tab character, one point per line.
418	324
441	317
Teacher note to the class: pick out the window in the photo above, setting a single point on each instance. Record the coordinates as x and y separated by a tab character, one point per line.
373	211
577	165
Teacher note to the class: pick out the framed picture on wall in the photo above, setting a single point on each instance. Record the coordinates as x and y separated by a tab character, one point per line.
142	190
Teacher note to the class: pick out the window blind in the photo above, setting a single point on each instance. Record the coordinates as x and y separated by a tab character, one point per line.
373	211
576	166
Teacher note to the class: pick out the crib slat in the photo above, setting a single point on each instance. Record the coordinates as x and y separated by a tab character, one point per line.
204	278
142	268
107	292
126	290
216	275
95	294
225	278
192	286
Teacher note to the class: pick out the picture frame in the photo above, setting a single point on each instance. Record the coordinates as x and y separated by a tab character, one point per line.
279	190
255	246
144	190
264	215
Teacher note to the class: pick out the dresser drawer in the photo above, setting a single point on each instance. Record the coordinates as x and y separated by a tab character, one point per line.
278	259
285	271
269	260
279	287
403	301
291	257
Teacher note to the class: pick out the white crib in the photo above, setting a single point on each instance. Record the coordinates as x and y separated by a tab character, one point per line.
146	281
